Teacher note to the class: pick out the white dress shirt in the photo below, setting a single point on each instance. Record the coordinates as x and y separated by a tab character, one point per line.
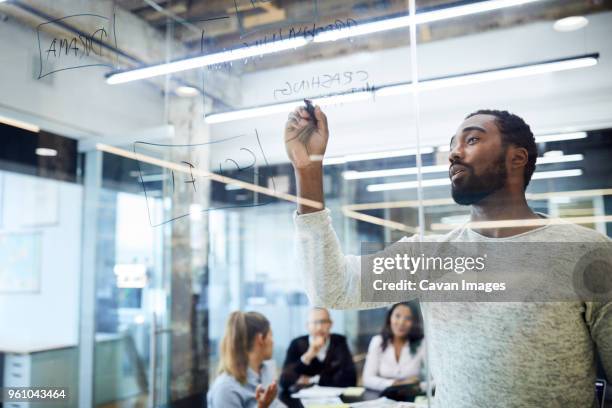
322	351
382	369
321	355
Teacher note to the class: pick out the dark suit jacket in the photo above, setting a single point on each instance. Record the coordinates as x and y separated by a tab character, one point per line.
338	369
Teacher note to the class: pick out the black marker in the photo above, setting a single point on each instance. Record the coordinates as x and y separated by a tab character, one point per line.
311	110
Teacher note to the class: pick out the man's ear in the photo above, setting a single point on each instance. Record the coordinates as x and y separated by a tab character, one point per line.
519	157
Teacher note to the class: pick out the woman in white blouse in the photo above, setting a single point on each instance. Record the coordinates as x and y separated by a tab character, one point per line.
397	355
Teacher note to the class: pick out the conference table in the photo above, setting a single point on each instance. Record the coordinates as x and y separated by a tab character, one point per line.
368	395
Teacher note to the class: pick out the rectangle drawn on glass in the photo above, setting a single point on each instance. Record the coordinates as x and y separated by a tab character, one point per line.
243	160
71	51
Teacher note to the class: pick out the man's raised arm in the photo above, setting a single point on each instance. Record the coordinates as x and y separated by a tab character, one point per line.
332	279
305	144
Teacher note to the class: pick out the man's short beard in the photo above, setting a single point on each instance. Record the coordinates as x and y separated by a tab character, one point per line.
475	188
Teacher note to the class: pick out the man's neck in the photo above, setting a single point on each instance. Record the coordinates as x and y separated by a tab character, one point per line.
502	205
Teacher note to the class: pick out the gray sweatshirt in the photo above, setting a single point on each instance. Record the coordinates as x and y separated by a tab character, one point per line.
482	354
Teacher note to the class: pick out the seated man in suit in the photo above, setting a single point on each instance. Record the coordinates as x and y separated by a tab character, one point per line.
320	357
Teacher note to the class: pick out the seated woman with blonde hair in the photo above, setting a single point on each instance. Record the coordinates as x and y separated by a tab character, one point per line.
245	379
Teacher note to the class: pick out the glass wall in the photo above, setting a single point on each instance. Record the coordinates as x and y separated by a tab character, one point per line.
146	193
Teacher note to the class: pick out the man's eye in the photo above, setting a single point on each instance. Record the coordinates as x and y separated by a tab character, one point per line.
471	140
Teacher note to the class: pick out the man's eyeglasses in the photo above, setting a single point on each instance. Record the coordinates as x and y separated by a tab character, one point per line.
321	322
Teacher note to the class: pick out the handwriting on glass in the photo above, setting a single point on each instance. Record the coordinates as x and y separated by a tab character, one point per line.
62	53
308	32
247	163
322	82
64	46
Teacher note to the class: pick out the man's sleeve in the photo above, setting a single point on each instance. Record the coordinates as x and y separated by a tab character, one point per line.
347	375
294	367
332	279
599	319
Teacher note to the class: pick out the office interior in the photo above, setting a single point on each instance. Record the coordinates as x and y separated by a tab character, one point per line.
145	191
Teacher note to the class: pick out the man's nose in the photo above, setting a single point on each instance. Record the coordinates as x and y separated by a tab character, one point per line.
456	153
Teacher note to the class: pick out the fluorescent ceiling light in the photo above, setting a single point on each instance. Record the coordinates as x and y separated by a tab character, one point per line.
427	84
375	155
204	60
559	159
268	48
45	151
284	107
152	178
187	91
365	28
560	137
472	8
406	185
561	200
19	124
491	75
358	175
572	23
250	112
328	161
539	175
420	18
387	154
527	222
507	73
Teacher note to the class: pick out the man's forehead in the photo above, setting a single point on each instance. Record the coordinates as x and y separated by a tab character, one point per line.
318	313
486	122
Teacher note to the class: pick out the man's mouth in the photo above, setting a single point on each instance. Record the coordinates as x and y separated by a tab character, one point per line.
456	171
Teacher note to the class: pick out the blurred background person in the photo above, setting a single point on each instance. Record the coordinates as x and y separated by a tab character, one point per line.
396	356
246	377
320	357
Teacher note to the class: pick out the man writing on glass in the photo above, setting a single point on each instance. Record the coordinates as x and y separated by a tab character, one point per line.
493	354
